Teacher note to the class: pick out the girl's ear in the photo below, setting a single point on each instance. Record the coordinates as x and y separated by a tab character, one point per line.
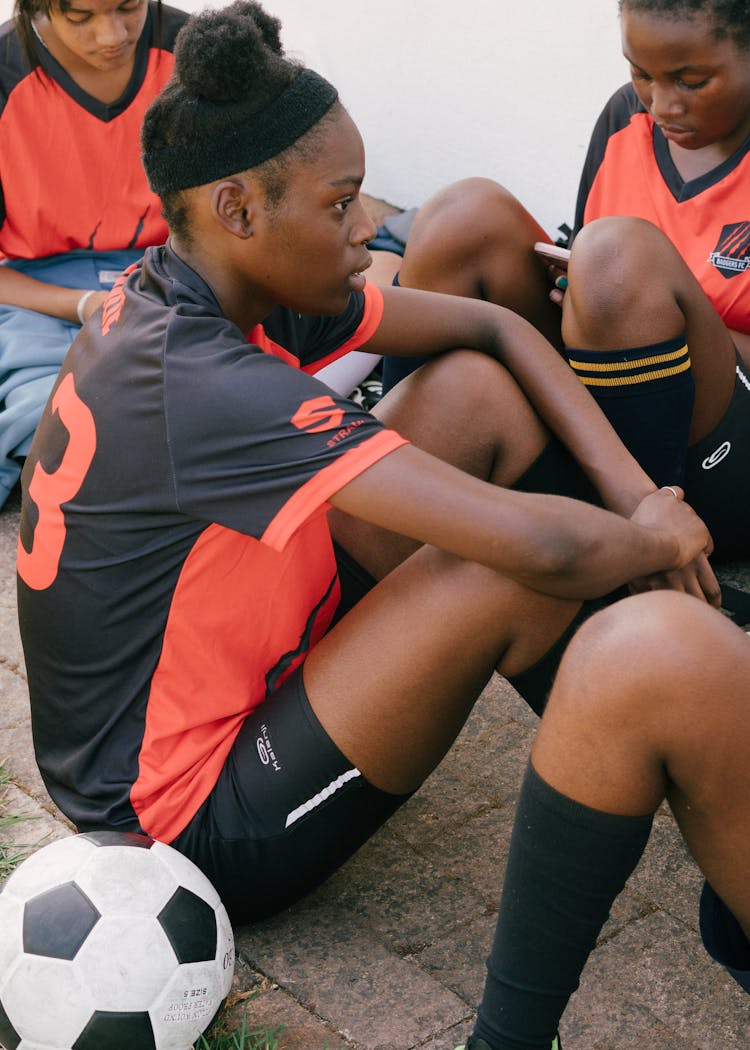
231	204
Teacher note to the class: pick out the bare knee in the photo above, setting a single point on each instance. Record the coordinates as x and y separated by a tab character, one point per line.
634	705
466	408
613	301
465	233
478	201
464	387
644	661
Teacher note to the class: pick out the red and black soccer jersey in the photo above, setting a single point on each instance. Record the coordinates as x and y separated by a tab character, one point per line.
175	562
629	171
70	166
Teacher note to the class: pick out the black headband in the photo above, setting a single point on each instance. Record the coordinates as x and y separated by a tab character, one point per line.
245	144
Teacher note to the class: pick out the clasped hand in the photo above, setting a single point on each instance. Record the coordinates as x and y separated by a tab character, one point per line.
667	511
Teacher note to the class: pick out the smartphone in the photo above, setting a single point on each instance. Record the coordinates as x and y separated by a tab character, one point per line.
553	252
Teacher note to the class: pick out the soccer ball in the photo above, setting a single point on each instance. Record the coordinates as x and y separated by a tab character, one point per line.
110	941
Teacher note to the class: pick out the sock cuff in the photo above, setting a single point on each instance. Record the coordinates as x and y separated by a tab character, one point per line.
563	808
608	372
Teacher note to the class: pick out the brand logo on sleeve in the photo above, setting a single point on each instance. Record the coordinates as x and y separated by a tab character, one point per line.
731	256
317	415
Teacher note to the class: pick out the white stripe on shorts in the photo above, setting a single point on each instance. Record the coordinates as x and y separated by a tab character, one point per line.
742	378
321	796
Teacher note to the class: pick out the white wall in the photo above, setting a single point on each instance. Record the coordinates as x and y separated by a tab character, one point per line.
504	88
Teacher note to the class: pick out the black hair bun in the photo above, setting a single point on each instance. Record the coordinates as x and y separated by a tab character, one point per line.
221	55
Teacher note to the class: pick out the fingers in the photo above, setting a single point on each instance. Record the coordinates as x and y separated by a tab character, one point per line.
707	581
659	581
676	491
697	579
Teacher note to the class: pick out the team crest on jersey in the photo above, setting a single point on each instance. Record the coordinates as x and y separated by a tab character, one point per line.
731	255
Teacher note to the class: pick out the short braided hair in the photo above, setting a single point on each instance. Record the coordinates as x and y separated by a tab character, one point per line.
731	18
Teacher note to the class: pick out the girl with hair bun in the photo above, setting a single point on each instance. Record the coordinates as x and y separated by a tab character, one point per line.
214	544
76	77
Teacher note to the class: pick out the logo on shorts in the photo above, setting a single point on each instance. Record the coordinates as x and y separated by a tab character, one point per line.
732	253
717	455
265	751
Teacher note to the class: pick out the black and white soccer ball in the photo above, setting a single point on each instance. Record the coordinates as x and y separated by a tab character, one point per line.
110	941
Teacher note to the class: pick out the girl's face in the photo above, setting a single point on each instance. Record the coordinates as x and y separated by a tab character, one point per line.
313	242
100	34
696	88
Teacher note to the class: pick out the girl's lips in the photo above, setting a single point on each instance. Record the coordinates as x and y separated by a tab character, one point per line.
671	130
116	54
357	282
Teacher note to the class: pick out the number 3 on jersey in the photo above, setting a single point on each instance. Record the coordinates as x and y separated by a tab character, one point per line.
38	567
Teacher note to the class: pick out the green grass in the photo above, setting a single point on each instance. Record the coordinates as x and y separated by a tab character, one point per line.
10	856
241	1038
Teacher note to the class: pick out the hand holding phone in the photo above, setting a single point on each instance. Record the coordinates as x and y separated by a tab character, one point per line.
553	253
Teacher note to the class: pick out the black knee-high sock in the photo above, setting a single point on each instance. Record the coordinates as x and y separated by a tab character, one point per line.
567	863
647	393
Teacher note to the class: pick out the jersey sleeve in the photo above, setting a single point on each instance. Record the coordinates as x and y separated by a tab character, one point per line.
614	117
166	23
258	446
13	68
311	342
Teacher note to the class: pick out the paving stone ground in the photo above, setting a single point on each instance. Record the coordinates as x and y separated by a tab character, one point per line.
389	954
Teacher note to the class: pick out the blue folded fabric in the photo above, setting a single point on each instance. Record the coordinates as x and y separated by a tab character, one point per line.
33	346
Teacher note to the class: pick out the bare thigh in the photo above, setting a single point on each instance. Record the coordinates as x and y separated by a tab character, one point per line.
465	409
474	238
394	681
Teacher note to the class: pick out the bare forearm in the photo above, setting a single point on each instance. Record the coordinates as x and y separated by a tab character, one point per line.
426	323
18	289
552	544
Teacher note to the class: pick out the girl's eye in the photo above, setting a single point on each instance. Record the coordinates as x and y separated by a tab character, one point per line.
343	204
692	86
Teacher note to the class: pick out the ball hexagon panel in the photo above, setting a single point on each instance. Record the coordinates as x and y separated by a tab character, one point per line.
58	921
189	1003
46	1000
125	962
145	889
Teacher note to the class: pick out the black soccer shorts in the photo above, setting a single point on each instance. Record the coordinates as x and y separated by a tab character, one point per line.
288	808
